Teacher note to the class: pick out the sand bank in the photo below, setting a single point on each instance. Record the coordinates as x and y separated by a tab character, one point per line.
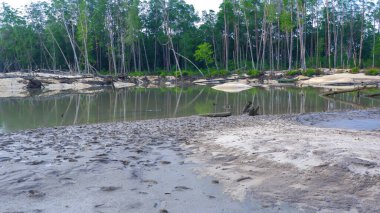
15	84
262	164
285	159
341	80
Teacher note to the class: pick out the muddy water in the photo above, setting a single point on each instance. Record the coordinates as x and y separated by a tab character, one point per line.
140	104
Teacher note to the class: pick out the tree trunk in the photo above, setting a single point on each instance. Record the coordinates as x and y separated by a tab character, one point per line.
328	34
361	36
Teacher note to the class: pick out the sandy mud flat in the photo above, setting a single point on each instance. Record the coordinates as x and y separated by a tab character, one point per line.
238	164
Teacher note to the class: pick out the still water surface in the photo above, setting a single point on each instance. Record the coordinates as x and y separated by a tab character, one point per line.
140	104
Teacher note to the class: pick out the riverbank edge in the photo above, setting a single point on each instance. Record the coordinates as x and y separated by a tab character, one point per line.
21	84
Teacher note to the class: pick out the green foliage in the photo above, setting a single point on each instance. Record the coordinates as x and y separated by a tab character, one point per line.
133	21
254	73
311	72
355	70
165	73
372	72
185	73
204	53
293	73
286	24
136	74
124	36
104	72
271	12
217	73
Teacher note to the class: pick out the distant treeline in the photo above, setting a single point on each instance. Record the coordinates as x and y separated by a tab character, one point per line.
160	36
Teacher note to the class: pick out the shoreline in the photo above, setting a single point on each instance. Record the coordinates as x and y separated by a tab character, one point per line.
265	163
19	85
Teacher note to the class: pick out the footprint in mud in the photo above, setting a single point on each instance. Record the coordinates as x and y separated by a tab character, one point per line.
135	205
136	173
150	182
34	163
164	162
109	188
66	181
101	160
3	159
181	188
125	162
36	194
215	181
143	193
243	179
134	157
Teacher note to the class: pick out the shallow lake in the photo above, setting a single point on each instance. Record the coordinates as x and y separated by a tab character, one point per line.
141	103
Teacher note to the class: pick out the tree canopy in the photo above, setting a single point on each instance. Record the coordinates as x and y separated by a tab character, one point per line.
153	36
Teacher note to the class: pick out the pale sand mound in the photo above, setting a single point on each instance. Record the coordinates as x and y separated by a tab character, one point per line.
14	84
232	87
12	87
341	78
280	160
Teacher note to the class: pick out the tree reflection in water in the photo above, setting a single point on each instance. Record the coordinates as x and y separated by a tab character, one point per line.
141	103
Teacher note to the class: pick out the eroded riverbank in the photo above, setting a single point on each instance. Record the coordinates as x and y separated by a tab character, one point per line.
262	164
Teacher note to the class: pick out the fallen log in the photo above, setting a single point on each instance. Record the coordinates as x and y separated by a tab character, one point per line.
217	115
343	91
373	95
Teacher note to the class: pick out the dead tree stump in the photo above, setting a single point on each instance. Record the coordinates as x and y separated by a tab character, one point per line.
253	111
34	84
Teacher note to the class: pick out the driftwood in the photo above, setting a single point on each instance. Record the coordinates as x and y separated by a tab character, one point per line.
217	115
344	91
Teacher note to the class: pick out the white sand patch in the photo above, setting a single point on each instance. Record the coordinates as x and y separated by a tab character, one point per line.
12	87
340	78
63	86
300	146
119	85
14	84
283	160
232	87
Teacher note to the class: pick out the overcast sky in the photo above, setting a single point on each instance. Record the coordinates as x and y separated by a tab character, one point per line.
199	5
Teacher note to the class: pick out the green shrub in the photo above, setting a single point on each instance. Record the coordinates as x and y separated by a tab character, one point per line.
311	72
104	72
222	73
185	73
163	74
254	73
293	73
177	74
212	73
372	72
136	74
355	70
